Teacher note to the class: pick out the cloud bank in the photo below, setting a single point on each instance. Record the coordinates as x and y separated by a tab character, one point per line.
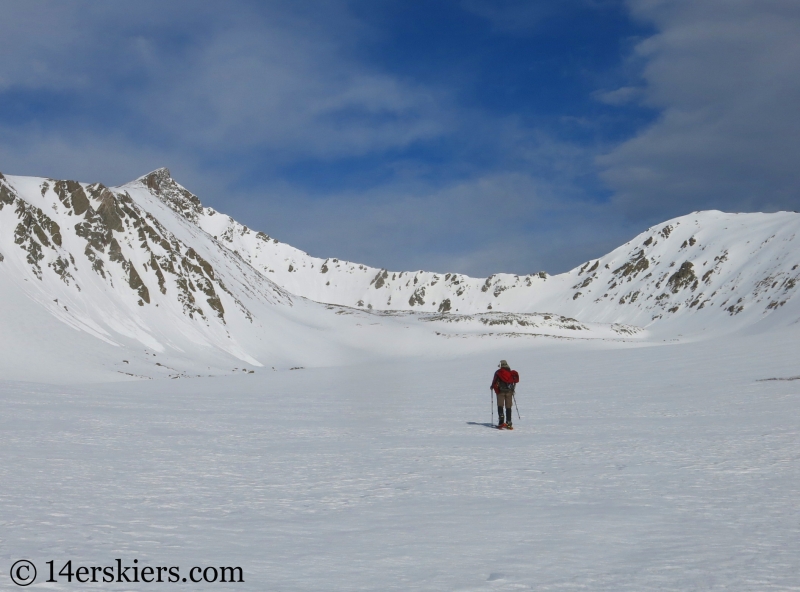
725	79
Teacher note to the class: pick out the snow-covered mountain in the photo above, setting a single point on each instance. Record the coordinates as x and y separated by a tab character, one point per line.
147	268
731	264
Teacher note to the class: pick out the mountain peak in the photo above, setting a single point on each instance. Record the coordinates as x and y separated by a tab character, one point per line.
162	185
156	179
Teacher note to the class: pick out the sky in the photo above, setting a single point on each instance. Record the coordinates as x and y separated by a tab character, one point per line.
471	136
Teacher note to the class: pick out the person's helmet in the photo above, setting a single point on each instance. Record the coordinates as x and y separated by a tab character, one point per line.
503	364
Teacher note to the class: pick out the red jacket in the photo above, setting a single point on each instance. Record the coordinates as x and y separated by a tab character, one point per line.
506	375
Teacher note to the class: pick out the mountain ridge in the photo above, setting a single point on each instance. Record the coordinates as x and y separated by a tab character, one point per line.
145	267
687	244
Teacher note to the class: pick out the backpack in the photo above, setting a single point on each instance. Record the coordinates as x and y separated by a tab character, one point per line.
513	377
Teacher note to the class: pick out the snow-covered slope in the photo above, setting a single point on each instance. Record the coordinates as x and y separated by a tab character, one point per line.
99	262
703	270
726	265
156	295
146	268
136	276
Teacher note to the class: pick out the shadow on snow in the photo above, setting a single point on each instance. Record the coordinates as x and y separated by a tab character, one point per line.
486	425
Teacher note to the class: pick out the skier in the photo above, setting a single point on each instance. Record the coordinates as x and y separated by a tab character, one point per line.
503	383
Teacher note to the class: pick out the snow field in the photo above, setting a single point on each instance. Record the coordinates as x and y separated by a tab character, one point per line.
648	468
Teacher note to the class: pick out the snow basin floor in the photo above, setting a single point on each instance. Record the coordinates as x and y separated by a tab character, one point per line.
658	468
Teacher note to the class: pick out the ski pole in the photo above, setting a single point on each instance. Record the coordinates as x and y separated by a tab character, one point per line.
514	396
491	402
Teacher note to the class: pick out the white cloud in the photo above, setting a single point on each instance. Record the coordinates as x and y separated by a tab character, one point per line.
520	16
291	93
726	79
619	96
510	15
273	76
488	223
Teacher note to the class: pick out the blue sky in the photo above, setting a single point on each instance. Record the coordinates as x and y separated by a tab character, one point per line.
477	136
